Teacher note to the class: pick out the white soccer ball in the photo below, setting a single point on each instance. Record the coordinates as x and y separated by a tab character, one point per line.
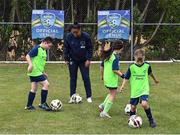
135	121
56	105
127	109
76	98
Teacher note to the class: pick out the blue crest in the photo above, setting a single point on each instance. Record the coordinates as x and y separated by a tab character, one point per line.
113	20
48	19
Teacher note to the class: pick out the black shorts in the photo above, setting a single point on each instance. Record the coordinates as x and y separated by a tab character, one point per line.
111	88
135	101
37	78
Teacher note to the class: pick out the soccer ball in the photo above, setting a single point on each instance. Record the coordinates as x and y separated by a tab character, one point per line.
76	98
135	121
56	105
127	109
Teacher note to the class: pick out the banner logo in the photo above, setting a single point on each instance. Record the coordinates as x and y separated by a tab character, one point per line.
114	20
48	19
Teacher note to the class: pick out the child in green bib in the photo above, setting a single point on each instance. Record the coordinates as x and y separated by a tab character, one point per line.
138	73
36	60
110	75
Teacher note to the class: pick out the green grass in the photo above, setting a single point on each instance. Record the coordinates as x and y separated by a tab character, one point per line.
83	118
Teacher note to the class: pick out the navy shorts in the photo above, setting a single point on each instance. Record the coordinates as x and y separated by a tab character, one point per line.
37	78
135	101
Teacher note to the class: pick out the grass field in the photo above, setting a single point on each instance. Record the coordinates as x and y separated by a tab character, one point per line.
83	118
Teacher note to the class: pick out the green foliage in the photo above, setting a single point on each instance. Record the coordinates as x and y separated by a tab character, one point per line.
165	43
167	37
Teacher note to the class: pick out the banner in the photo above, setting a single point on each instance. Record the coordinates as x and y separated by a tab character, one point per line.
47	23
113	25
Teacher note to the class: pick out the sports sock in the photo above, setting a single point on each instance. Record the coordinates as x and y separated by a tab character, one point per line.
108	105
132	113
104	102
44	94
31	97
148	114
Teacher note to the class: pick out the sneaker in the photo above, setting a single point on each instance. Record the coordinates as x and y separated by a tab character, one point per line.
71	101
101	107
152	124
45	107
89	100
31	108
105	115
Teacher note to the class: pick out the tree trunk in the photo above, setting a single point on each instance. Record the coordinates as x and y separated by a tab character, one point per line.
155	31
117	4
51	4
141	19
72	11
62	5
34	4
123	5
4	9
139	35
47	4
18	11
13	11
88	9
94	18
144	11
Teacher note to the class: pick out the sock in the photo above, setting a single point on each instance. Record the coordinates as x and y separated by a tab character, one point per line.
108	105
44	94
31	97
132	113
148	114
104	102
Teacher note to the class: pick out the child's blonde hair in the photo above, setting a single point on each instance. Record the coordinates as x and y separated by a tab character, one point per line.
139	51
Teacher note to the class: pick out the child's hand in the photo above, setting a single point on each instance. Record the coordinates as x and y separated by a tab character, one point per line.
30	67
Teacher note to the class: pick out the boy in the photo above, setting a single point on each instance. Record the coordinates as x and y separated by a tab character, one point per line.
110	74
36	60
138	76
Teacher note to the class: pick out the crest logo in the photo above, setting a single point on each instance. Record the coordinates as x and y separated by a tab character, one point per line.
82	43
48	19
113	20
144	71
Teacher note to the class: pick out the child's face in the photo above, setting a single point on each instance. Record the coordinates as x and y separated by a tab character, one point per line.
139	57
47	45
